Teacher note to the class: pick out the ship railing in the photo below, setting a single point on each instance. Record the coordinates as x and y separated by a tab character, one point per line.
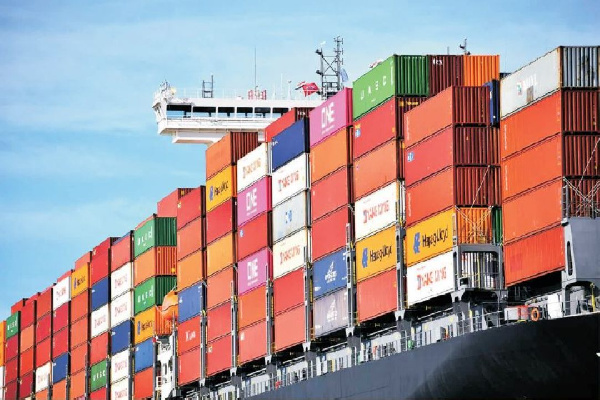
199	93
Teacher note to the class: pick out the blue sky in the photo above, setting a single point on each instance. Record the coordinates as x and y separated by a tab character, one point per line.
80	158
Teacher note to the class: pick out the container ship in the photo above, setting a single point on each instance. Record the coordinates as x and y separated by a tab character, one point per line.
430	232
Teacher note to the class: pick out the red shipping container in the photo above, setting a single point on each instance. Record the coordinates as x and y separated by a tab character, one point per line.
189	367
381	125
26	361
331	154
218	355
542	206
454	105
253	342
284	122
43	352
44	303
329	232
11	370
190	207
86	258
288	291
581	156
225	152
452	146
43	328
99	348
190	238
59	390
27	339
167	206
11	391
100	394
331	193
580	110
220	287
80	305
12	348
28	312
18	306
188	335
79	358
143	384
377	168
121	252
219	321
60	342
254	235
219	221
80	332
252	307
191	269
26	385
78	388
157	261
377	295
534	256
290	328
100	264
444	71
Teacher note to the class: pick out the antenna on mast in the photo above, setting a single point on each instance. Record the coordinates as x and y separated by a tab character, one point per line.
255	86
464	48
332	74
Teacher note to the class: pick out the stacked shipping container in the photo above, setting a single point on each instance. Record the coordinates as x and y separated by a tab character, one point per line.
61	334
82	323
550	157
2	359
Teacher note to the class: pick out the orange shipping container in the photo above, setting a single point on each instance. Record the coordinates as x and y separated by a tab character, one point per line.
329	232
80	306
535	255
376	168
218	355
220	287
80	332
220	254
331	193
288	291
190	270
228	150
143	384
86	258
480	69
290	328
330	155
27	338
59	390
252	307
151	323
219	322
43	395
78	387
80	280
158	261
79	358
2	342
253	342
532	211
190	238
167	206
377	295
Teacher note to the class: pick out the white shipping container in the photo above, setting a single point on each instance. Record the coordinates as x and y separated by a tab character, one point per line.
121	280
252	167
289	253
330	312
376	211
291	216
1	380
100	321
43	375
120	366
121	309
120	390
429	279
290	179
61	293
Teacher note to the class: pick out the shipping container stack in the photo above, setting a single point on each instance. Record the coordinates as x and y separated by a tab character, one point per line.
191	284
43	344
551	166
27	348
221	250
61	335
121	316
154	275
2	358
255	256
451	144
285	121
291	237
11	355
331	211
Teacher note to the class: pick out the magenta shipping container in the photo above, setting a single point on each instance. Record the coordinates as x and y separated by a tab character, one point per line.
254	200
331	116
254	270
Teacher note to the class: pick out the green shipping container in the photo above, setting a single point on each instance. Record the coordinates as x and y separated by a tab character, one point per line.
159	231
497	225
413	76
13	324
98	375
151	292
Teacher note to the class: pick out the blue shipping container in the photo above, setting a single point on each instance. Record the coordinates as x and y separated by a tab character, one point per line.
60	368
494	101
191	302
121	337
290	143
100	293
144	355
330	273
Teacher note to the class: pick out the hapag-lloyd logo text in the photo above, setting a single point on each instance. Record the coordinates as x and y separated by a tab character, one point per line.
142	326
429	278
288	254
375	211
215	191
79	281
249	169
430	240
288	180
372	256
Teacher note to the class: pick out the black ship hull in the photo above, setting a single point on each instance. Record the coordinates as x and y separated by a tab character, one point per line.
552	359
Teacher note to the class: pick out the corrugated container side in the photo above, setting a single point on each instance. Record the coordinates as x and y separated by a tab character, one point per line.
220	254
156	232
99	348
290	328
330	273
218	355
100	394
580	110
330	155
252	307
329	233
330	313
582	195
121	337
100	264
191	269
254	235
413	75
59	389
376	253
143	384
26	361
80	280
254	270
61	291
26	385
121	280
290	179
288	291
28	312
151	323
27	338
291	216
121	309
191	302
289	144
13	324
377	168
60	342
253	342
253	166
12	347
77	387
220	188
190	367
191	206
377	296
333	115
219	287
11	390
444	71
11	370
86	258
158	261
80	332
80	307
285	121
100	294
228	150
253	201
79	358
152	292
190	238
188	335
219	222
219	321
43	352
291	253
98	375
494	86
167	206
580	66
331	193
378	210
375	86
44	303
480	69
121	252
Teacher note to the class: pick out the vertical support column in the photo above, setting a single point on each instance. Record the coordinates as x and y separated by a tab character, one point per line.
307	301
350	256
234	327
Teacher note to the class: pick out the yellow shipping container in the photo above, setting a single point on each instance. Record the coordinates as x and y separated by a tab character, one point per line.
80	280
220	187
151	323
376	254
2	341
439	233
220	254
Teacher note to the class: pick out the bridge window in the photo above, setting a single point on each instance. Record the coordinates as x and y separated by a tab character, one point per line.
278	112
226	111
205	111
262	112
245	112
